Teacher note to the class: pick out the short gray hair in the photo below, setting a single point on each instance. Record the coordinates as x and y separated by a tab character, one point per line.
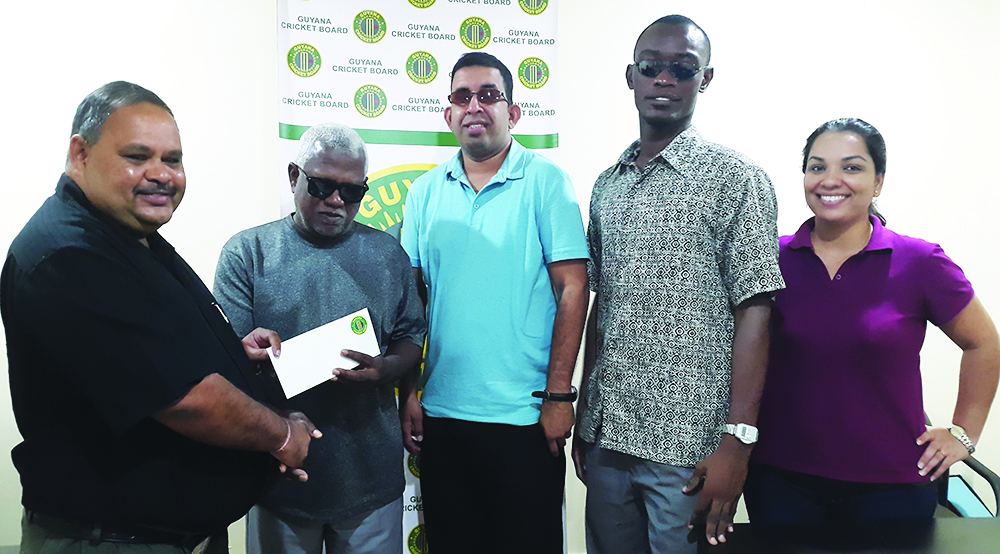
98	106
324	137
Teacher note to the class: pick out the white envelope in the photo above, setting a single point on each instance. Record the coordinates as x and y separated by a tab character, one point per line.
309	359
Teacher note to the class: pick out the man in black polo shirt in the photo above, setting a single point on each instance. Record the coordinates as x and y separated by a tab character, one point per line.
140	413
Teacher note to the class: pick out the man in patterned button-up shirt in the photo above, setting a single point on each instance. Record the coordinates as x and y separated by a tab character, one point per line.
684	249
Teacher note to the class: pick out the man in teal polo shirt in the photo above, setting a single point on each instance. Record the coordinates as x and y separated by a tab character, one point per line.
497	245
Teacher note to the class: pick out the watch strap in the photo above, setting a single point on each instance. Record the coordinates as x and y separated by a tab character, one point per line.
747	434
547	396
963	437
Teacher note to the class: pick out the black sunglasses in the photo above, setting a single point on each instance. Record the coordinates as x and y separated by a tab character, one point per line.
319	187
462	97
677	70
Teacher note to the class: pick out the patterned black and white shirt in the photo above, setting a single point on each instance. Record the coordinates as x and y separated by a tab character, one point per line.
674	248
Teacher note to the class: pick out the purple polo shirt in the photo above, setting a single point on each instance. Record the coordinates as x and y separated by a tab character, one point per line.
843	394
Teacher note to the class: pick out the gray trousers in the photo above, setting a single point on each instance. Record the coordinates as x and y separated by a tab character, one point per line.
379	531
635	506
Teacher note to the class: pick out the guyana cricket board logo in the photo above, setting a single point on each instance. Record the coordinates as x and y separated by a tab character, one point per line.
370	101
359	325
475	33
416	543
382	207
369	26
533	73
413	464
422	3
421	68
533	7
304	60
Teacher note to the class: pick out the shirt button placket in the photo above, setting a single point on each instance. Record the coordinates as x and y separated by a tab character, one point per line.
474	219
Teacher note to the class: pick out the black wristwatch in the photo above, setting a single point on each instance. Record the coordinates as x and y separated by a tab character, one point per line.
556	396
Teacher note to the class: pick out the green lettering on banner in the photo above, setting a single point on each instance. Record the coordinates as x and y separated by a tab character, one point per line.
420	138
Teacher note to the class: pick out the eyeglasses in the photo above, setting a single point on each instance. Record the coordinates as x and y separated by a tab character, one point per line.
462	97
322	188
677	70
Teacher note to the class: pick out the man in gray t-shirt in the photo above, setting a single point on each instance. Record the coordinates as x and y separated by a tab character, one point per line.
301	272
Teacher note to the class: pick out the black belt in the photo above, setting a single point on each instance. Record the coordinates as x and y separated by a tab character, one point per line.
111	533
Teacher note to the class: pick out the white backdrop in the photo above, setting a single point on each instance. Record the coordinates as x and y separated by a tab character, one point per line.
382	67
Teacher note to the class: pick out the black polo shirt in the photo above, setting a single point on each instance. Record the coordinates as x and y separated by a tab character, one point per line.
102	332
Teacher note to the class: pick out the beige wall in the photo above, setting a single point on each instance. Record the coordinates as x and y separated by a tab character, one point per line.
923	72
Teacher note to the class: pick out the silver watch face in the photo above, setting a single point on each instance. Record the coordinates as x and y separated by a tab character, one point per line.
963	438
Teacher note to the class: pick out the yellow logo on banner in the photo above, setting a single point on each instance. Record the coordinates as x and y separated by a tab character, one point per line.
416	543
382	207
533	7
533	73
475	33
369	26
304	60
422	3
370	101
413	464
421	68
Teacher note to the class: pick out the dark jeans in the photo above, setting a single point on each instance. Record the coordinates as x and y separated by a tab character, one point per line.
490	487
778	496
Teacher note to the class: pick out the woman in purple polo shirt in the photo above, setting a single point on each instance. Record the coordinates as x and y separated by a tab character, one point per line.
842	434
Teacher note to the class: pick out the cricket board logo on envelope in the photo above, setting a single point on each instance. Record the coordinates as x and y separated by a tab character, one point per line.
308	359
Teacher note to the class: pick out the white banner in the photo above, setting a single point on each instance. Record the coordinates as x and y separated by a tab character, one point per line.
382	67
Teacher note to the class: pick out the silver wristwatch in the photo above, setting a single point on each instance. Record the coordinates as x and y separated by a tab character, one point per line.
747	434
959	434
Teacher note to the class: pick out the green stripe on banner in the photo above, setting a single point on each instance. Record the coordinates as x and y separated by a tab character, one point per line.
419	138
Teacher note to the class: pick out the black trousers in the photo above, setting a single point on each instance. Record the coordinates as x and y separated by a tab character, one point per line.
779	496
490	487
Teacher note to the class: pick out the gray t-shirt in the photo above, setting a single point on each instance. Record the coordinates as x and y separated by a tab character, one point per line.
271	276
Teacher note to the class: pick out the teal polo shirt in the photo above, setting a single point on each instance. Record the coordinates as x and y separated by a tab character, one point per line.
490	301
